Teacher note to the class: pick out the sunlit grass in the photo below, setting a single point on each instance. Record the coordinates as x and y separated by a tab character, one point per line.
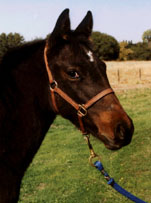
60	171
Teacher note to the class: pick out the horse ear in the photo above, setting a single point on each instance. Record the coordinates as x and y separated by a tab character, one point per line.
62	27
85	27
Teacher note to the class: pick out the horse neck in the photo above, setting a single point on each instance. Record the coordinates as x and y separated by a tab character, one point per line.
26	115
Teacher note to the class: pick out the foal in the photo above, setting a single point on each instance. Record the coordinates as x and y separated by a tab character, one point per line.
26	107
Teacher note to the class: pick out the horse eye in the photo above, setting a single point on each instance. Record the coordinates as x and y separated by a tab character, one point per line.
73	74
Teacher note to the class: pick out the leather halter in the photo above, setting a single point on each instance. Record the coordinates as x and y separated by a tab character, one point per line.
81	108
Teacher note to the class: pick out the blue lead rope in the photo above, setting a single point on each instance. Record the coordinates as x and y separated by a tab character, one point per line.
117	187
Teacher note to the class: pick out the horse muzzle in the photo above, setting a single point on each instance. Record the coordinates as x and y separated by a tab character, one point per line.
119	137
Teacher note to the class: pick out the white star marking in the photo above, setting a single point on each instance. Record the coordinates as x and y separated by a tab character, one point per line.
90	54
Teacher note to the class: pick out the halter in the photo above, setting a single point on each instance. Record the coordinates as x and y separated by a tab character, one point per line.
81	108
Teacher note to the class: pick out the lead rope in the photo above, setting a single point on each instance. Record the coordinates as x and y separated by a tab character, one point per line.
110	181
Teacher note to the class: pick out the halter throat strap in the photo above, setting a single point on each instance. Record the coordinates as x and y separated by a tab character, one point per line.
80	108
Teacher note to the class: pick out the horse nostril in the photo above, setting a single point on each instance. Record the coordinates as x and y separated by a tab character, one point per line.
120	131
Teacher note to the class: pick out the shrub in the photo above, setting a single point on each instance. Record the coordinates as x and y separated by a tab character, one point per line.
106	46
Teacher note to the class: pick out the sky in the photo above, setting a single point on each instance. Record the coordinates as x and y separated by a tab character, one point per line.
122	19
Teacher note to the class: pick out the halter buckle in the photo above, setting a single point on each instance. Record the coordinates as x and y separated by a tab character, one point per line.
82	111
53	85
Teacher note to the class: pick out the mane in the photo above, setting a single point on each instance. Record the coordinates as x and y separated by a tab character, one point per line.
17	54
14	57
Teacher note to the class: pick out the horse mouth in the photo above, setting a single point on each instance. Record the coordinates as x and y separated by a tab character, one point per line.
114	138
117	144
117	137
112	144
113	147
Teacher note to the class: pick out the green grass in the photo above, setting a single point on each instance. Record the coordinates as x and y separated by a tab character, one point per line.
60	171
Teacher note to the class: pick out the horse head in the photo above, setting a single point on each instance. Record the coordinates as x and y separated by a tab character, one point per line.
82	75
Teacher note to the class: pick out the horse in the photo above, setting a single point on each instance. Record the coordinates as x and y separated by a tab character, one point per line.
57	75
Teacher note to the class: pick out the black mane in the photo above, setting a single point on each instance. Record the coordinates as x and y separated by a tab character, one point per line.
14	55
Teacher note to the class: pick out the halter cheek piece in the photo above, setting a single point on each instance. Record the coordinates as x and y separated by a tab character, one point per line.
81	108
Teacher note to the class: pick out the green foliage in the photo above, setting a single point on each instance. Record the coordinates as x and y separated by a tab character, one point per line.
146	37
106	47
124	51
9	41
140	51
60	171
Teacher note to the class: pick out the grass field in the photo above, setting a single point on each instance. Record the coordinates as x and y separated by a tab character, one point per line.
60	171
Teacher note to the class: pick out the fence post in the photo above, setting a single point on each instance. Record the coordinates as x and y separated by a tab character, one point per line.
140	74
118	75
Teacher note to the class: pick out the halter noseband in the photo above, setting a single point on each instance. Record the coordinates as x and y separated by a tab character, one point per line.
81	108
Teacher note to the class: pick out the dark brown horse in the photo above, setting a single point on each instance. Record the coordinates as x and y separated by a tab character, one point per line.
26	108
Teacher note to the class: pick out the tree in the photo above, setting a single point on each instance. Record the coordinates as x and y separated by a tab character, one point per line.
3	44
140	51
146	37
106	46
9	41
124	50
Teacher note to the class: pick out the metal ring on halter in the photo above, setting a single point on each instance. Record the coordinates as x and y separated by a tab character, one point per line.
53	85
82	110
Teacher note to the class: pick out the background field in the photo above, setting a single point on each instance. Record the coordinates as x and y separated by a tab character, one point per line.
60	171
130	73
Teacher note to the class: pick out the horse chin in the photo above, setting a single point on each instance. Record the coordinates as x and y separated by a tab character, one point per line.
113	147
111	144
